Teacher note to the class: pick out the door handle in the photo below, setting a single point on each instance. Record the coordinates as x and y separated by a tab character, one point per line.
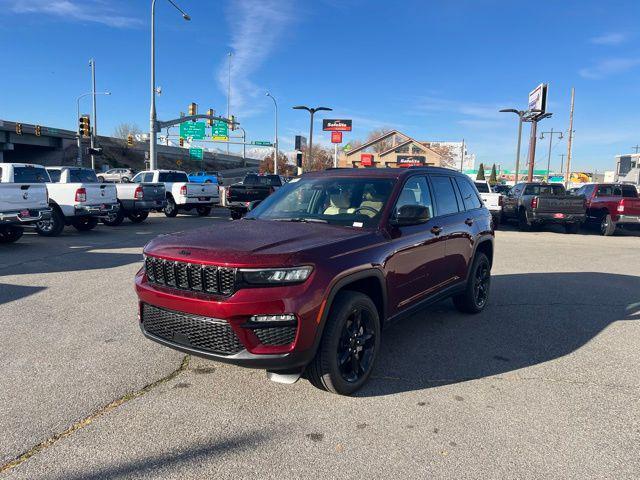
436	230
469	221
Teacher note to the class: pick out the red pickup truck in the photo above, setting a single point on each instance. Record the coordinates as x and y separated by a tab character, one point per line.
611	205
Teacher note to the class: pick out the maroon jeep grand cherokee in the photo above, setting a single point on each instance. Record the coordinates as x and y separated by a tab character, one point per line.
307	280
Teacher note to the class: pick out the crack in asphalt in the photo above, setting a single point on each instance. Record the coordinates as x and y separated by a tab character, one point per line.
52	440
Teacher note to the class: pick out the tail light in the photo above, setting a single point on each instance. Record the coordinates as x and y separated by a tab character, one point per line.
621	206
534	202
183	190
81	195
500	200
138	194
271	190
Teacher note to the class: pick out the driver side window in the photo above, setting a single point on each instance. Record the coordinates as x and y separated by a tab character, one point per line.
415	192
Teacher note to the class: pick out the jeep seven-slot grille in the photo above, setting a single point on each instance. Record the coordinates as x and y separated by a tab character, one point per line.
191	276
194	331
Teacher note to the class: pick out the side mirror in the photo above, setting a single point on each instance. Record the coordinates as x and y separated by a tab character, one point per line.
411	215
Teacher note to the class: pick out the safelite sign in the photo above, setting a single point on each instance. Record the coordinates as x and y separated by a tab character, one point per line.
334	125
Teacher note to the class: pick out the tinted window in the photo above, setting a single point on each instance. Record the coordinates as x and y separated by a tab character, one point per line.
444	194
266	180
82	175
415	192
147	177
173	177
137	178
543	189
54	175
482	187
30	175
469	195
606	191
629	191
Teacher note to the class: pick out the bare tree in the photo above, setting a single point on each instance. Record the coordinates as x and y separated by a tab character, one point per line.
284	168
123	130
448	157
382	145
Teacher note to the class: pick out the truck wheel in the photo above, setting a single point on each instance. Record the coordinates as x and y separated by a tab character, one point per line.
476	293
100	179
52	227
115	218
203	211
171	209
10	234
572	227
349	345
236	214
607	226
124	179
523	223
84	224
138	217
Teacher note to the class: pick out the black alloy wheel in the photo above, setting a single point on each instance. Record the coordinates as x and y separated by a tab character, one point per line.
356	349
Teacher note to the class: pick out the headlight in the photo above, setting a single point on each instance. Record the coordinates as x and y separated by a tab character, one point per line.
275	276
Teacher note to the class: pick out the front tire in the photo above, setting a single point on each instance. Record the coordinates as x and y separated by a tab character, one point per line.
10	234
101	179
523	223
52	227
607	226
476	293
203	211
84	224
138	217
171	209
349	346
124	180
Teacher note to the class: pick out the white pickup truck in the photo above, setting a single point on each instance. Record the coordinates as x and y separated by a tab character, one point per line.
136	201
23	198
76	198
182	194
493	201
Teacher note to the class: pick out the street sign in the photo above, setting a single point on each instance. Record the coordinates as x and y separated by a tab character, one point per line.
263	143
336	137
194	130
196	153
220	130
333	125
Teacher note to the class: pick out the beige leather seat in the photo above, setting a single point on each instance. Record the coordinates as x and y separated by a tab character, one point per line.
339	203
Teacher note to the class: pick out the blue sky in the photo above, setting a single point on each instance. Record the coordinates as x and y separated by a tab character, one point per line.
435	70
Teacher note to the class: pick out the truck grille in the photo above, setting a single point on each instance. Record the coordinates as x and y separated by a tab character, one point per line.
202	333
191	276
276	335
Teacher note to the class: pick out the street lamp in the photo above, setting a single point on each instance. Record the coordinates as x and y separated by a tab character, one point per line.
78	117
520	114
311	111
275	151
551	134
152	114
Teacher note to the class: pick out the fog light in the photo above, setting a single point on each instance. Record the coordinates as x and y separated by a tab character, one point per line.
289	317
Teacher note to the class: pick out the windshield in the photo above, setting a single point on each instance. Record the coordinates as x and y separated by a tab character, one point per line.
353	202
30	175
482	187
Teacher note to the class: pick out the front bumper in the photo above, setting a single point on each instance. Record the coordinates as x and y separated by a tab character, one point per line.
251	347
557	217
25	216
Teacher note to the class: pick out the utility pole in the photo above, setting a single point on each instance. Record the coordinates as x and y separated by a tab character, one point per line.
570	141
636	148
94	130
462	156
562	155
229	95
551	133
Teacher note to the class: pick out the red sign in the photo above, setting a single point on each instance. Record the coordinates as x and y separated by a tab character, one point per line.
336	137
366	159
334	125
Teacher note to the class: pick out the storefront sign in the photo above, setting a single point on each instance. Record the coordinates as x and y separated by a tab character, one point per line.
366	159
411	160
336	137
333	125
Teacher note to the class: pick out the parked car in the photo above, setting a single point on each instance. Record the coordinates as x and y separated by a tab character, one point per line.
23	198
76	198
611	205
493	201
183	194
136	200
204	177
537	204
118	175
306	281
241	197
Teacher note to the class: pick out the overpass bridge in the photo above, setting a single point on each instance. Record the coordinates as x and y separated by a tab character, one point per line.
56	146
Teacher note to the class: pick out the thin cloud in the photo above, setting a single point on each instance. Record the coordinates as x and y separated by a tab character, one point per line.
471	114
257	25
87	11
610	39
608	67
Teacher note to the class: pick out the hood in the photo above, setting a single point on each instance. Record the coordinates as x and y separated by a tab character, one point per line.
243	243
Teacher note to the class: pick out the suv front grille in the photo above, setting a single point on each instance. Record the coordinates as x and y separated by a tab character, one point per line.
276	335
203	333
191	276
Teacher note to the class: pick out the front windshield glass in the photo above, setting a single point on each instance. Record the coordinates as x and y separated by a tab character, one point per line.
353	202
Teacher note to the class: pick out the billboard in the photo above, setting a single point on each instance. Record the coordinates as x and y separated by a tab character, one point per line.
411	160
538	98
334	125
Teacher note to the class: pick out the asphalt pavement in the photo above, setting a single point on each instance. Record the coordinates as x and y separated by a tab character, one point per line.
543	384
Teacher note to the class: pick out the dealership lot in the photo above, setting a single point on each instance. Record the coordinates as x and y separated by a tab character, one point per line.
545	382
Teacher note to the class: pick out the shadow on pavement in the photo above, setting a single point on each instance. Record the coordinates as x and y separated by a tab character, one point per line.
531	319
9	293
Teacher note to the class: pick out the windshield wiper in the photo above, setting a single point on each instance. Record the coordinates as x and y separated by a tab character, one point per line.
301	220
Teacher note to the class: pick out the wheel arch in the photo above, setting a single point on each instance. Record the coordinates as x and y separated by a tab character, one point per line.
485	246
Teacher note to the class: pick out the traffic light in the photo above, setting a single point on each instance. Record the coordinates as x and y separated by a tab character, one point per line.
84	127
193	109
211	112
233	122
299	159
19	128
181	142
38	130
130	140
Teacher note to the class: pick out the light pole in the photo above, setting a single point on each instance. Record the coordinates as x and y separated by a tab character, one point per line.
153	127
550	133
78	118
275	151
311	111
521	114
244	144
532	142
230	54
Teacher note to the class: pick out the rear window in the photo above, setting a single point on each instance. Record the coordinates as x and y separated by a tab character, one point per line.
82	175
544	190
30	175
482	187
265	181
629	191
172	177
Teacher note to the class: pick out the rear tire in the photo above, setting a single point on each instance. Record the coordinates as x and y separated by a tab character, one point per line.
523	223
171	209
203	211
607	226
84	224
114	219
124	180
138	217
476	293
572	228
349	345
10	234
236	215
52	227
101	179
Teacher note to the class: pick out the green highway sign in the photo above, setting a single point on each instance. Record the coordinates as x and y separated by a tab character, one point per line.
196	153
194	130
263	143
220	130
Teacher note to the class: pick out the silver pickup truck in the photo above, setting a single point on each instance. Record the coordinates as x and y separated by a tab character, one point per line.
23	199
136	201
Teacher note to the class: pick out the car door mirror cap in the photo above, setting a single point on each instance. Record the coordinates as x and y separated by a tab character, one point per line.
409	215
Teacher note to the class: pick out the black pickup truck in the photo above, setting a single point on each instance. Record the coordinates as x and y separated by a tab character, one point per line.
533	204
243	196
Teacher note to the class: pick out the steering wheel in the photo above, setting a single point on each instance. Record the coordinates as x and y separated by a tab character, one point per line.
371	209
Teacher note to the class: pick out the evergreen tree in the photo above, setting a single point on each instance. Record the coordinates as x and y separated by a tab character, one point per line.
493	178
480	173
